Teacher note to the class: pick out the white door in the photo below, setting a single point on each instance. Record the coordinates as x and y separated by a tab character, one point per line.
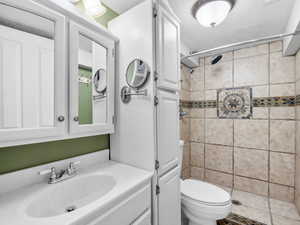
168	50
167	130
32	79
169	202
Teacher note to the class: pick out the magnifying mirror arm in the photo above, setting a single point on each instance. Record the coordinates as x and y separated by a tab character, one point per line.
139	92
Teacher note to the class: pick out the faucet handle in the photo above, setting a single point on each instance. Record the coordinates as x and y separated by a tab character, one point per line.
71	168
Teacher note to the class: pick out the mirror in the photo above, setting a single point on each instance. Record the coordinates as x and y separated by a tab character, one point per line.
137	74
92	60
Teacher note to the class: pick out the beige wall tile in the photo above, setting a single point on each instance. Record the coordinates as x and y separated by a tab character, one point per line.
251	134
197	154
251	71
197	130
219	132
282	112
298	66
298	87
260	91
297	182
282	68
282	90
197	113
297	112
197	96
282	136
197	173
251	163
252	51
251	185
276	46
197	79
260	113
219	158
185	129
283	193
219	75
185	78
186	156
211	95
211	113
186	173
219	178
282	168
185	95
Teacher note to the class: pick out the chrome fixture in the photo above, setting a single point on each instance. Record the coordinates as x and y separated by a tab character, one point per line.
182	113
126	94
55	177
225	48
210	13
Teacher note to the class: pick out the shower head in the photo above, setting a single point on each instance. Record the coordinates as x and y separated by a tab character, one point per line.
216	59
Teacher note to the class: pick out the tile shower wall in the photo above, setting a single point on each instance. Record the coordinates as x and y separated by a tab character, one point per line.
297	180
254	155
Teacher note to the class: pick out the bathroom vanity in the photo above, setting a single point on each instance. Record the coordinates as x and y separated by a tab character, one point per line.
101	193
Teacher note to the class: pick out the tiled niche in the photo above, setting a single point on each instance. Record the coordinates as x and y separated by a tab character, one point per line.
255	155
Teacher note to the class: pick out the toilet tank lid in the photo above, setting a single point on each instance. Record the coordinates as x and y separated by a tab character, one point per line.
204	192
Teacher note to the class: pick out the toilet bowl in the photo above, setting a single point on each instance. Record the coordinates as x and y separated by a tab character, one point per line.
203	203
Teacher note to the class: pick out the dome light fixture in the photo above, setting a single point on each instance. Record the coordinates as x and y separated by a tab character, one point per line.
94	8
210	13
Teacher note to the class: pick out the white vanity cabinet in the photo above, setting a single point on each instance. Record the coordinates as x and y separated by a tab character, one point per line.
92	68
168	48
32	73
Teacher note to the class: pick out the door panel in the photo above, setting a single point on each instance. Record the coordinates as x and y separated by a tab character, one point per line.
169	199
167	130
168	51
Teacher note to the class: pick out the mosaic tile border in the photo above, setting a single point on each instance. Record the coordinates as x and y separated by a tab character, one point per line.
280	101
234	219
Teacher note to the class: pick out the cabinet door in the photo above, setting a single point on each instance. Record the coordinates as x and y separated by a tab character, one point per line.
169	202
92	68
168	50
32	73
167	130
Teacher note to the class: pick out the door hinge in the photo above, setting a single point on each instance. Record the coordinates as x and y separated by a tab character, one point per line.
113	52
154	12
155	76
156	101
157	190
114	119
156	164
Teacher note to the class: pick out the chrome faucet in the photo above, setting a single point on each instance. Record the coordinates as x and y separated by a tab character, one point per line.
56	177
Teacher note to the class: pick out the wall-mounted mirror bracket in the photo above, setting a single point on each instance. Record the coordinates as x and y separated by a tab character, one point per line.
126	93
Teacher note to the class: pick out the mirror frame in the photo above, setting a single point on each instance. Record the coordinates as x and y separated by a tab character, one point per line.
144	81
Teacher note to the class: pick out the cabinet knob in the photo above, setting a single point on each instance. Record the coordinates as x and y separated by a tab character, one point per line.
76	118
61	118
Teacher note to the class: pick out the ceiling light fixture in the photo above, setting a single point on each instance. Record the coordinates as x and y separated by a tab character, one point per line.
210	13
94	8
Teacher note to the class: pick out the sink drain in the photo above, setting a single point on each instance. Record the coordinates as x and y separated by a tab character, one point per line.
70	209
236	202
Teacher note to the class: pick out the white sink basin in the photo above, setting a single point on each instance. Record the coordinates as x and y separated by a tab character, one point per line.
69	195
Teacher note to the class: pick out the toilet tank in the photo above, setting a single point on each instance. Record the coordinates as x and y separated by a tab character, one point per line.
180	153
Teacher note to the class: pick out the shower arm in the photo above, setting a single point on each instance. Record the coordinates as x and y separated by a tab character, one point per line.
239	44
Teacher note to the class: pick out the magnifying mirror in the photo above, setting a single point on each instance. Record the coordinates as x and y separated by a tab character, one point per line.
137	74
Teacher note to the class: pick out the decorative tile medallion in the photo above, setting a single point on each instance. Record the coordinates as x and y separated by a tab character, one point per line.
234	219
234	103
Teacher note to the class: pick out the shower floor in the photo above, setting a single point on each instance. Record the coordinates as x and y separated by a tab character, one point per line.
262	209
259	210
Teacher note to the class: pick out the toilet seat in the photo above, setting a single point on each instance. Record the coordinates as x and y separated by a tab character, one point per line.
204	193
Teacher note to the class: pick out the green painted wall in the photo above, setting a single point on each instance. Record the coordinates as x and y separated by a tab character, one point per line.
85	99
26	156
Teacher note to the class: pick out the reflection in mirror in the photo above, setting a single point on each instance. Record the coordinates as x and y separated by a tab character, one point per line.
137	74
27	79
92	82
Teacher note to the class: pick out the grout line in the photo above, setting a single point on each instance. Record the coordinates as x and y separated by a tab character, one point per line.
269	124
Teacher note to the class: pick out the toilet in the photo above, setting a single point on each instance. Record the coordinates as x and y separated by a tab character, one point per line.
203	203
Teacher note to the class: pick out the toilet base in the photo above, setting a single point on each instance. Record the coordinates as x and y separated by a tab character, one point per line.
203	222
